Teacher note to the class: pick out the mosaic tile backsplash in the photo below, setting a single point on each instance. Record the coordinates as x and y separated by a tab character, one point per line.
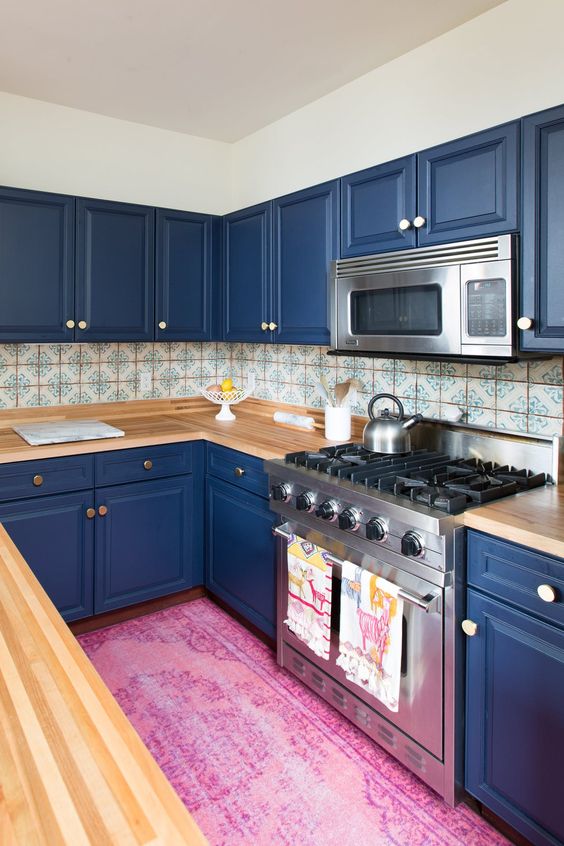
526	397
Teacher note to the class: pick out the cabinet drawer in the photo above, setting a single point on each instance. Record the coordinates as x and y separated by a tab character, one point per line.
133	465
227	463
513	573
24	479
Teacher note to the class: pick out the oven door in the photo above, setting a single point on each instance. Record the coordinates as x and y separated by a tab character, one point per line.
408	311
420	713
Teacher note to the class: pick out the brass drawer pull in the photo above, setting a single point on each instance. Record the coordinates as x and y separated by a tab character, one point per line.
70	324
38	480
90	513
469	627
82	324
239	471
148	464
103	510
162	324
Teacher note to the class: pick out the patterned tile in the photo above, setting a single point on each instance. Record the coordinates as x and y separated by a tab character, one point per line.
484	417
453	390
545	400
481	393
383	382
544	425
549	371
511	421
511	396
516	371
451	368
429	408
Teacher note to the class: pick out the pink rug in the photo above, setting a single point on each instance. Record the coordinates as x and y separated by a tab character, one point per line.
255	756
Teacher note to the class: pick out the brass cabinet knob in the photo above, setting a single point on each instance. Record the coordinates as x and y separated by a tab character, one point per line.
148	464
546	593
404	224
272	326
38	480
264	326
525	323
162	325
419	221
82	324
70	324
103	510
90	513
239	471
469	627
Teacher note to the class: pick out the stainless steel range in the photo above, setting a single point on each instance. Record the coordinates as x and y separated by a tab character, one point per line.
400	517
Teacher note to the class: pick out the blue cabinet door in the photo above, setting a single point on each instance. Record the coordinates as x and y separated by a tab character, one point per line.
373	202
240	552
149	542
36	266
469	188
514	718
115	271
542	291
247	273
56	538
306	239
184	275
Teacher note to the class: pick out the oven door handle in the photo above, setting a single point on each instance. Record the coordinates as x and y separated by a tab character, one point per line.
429	603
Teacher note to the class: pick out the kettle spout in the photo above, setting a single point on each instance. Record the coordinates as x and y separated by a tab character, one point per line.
412	421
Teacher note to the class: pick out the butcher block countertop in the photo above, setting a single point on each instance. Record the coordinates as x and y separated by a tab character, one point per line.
534	519
72	768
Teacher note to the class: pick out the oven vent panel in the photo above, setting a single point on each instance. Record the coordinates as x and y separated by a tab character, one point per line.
463	252
417	759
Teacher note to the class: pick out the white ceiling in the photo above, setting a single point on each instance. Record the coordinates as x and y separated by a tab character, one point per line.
220	69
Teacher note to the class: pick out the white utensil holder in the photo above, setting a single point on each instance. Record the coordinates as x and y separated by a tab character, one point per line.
337	423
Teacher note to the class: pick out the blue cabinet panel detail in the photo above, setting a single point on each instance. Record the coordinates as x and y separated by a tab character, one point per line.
56	539
514	731
36	266
184	276
148	544
115	271
247	273
306	239
23	479
373	202
240	552
542	291
469	188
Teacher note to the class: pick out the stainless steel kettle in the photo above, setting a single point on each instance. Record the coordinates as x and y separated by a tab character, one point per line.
387	433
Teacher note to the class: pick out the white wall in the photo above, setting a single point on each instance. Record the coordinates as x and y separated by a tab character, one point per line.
54	148
499	66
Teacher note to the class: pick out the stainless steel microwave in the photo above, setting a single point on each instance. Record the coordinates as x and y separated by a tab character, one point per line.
450	300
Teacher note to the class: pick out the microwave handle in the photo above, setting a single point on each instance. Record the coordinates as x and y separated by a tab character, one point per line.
429	603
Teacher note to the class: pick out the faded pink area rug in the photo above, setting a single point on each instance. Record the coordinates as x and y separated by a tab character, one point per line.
256	757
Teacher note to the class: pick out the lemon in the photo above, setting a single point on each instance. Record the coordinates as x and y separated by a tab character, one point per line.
227	385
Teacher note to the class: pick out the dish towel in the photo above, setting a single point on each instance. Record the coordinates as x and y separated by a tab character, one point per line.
370	634
309	594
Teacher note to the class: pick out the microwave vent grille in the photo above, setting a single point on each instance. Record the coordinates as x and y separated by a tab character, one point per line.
463	252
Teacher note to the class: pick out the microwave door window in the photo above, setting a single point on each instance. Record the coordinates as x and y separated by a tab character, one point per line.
406	310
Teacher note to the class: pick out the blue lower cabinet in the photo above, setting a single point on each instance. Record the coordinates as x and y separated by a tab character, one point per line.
56	538
514	718
148	543
240	554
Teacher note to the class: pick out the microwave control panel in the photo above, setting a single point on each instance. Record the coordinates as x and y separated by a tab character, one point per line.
486	307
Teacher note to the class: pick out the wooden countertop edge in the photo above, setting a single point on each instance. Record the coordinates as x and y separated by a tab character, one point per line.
72	768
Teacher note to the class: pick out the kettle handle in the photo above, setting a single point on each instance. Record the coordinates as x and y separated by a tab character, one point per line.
385	396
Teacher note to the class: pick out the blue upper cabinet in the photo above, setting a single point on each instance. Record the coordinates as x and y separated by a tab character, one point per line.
305	240
373	204
247	273
185	270
36	266
542	290
115	271
468	188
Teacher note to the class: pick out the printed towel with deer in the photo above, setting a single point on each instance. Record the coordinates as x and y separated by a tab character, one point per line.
309	594
370	634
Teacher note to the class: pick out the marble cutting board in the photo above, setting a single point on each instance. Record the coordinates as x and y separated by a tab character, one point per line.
64	431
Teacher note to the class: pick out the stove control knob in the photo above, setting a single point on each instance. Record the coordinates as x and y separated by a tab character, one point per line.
280	493
304	501
412	545
376	529
349	519
327	510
